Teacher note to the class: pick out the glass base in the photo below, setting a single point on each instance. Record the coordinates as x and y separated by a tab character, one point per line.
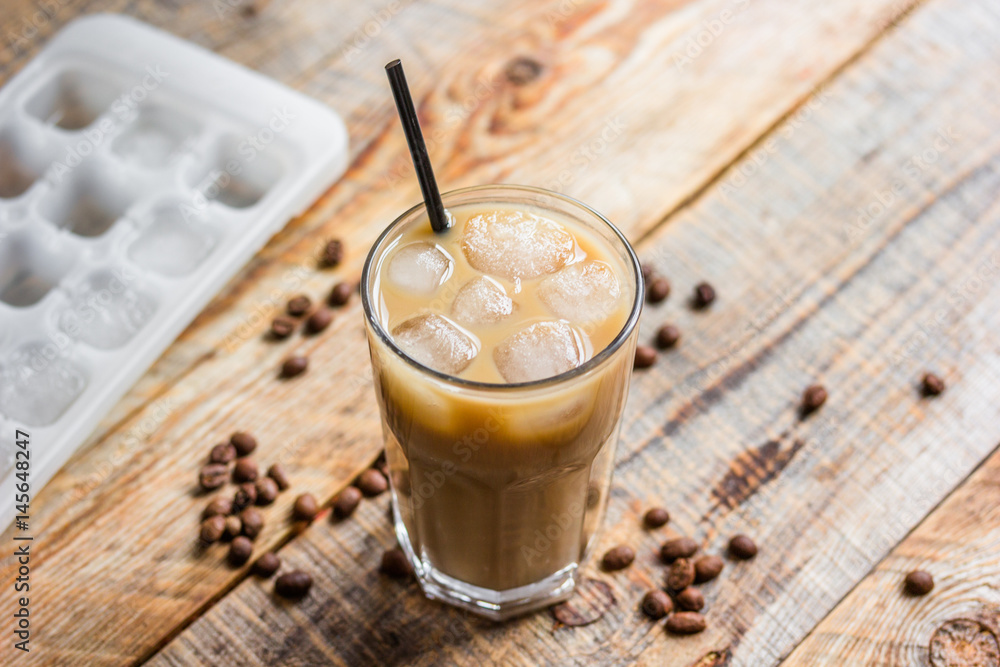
495	605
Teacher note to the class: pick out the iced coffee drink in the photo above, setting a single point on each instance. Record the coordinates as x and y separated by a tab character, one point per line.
501	351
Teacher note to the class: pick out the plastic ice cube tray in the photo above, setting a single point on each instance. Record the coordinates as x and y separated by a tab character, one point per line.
137	173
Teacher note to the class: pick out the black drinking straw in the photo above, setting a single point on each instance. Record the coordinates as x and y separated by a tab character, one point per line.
418	150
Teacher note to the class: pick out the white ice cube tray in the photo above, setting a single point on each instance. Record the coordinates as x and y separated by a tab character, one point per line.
138	172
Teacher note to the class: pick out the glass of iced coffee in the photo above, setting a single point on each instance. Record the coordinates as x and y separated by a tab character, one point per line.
502	350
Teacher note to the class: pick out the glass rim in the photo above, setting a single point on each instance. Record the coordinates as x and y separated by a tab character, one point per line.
597	360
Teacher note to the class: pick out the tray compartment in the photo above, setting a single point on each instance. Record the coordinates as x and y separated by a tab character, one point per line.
38	382
73	98
235	173
107	308
32	263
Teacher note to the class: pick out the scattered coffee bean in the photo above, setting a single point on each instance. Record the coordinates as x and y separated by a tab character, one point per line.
395	564
346	502
522	70
293	585
243	442
213	475
707	568
245	470
685	623
645	356
656	604
218	507
277	473
212	529
680	575
340	294
657	290
253	522
306	507
372	482
679	547
319	321
618	558
233	527
813	397
222	453
294	366
240	550
267	491
667	336
931	385
691	599
656	517
742	547
919	582
333	253
298	305
647	271
704	295
282	327
266	565
245	496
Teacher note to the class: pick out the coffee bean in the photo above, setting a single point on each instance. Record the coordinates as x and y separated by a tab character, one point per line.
707	568
222	453
742	547
213	475
277	473
656	517
282	327
218	507
340	294
212	529
704	295
253	522
245	470
645	356
813	397
346	502
685	623
267	491
293	585
233	527
522	70
395	564
680	575
372	482
667	336
243	442
648	272
333	253
294	366
618	558
306	507
918	582
931	385
657	290
691	599
680	547
298	305
656	604
245	496
319	321
267	565
240	550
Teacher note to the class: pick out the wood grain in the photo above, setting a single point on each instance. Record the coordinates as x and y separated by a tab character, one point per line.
880	625
811	290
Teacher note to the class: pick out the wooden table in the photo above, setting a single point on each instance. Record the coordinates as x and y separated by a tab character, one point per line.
831	166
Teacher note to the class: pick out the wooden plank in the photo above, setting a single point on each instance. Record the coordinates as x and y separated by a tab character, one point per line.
809	289
879	625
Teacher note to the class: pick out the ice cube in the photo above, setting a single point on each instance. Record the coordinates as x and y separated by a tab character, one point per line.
539	351
436	342
515	244
481	301
580	293
38	384
419	267
171	244
107	310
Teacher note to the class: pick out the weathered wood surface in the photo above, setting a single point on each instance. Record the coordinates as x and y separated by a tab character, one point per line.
959	544
115	528
809	290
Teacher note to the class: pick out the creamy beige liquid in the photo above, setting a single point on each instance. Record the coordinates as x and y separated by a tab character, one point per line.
502	488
